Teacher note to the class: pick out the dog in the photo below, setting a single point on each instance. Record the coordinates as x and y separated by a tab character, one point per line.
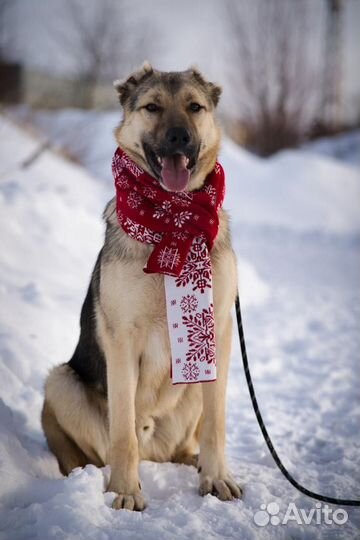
114	402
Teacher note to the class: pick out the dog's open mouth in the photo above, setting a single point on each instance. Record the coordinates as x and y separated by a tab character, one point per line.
172	170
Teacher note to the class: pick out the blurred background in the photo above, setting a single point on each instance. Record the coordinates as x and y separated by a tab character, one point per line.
289	68
290	113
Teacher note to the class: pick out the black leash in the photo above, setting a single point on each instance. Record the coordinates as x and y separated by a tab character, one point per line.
331	500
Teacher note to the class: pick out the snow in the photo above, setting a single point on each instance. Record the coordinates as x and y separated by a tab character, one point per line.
296	231
294	191
345	147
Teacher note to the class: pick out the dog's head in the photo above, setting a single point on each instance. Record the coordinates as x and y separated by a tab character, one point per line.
169	126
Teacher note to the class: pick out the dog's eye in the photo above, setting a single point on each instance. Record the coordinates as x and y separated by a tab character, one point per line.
195	107
152	107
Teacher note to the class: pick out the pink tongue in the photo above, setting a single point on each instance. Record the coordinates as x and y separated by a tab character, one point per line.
174	173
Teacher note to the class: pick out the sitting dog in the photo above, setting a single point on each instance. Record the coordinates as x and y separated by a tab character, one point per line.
114	402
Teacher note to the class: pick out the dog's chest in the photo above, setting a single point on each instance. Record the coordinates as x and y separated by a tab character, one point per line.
155	392
154	383
155	357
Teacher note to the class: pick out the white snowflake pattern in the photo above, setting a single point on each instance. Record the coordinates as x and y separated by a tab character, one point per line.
122	182
158	213
161	211
127	163
189	303
181	218
149	192
166	205
180	236
169	258
117	165
211	191
183	199
134	200
141	233
190	372
217	168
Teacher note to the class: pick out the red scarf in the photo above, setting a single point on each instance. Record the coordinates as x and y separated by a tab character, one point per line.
170	221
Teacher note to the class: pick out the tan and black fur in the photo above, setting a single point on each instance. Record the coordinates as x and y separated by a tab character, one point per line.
114	402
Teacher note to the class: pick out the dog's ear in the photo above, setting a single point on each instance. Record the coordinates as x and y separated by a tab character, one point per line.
125	87
213	90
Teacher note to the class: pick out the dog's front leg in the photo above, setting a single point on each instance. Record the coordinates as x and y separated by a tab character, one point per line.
215	477
122	375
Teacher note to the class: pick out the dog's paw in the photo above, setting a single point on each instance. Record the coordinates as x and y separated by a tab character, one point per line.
129	502
225	488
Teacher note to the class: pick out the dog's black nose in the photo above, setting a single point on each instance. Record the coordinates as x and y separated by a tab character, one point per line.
177	137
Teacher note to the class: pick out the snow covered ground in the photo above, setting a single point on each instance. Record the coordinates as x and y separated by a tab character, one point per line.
344	147
296	230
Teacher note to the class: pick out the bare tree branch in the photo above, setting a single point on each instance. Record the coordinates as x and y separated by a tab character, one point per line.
96	39
270	70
